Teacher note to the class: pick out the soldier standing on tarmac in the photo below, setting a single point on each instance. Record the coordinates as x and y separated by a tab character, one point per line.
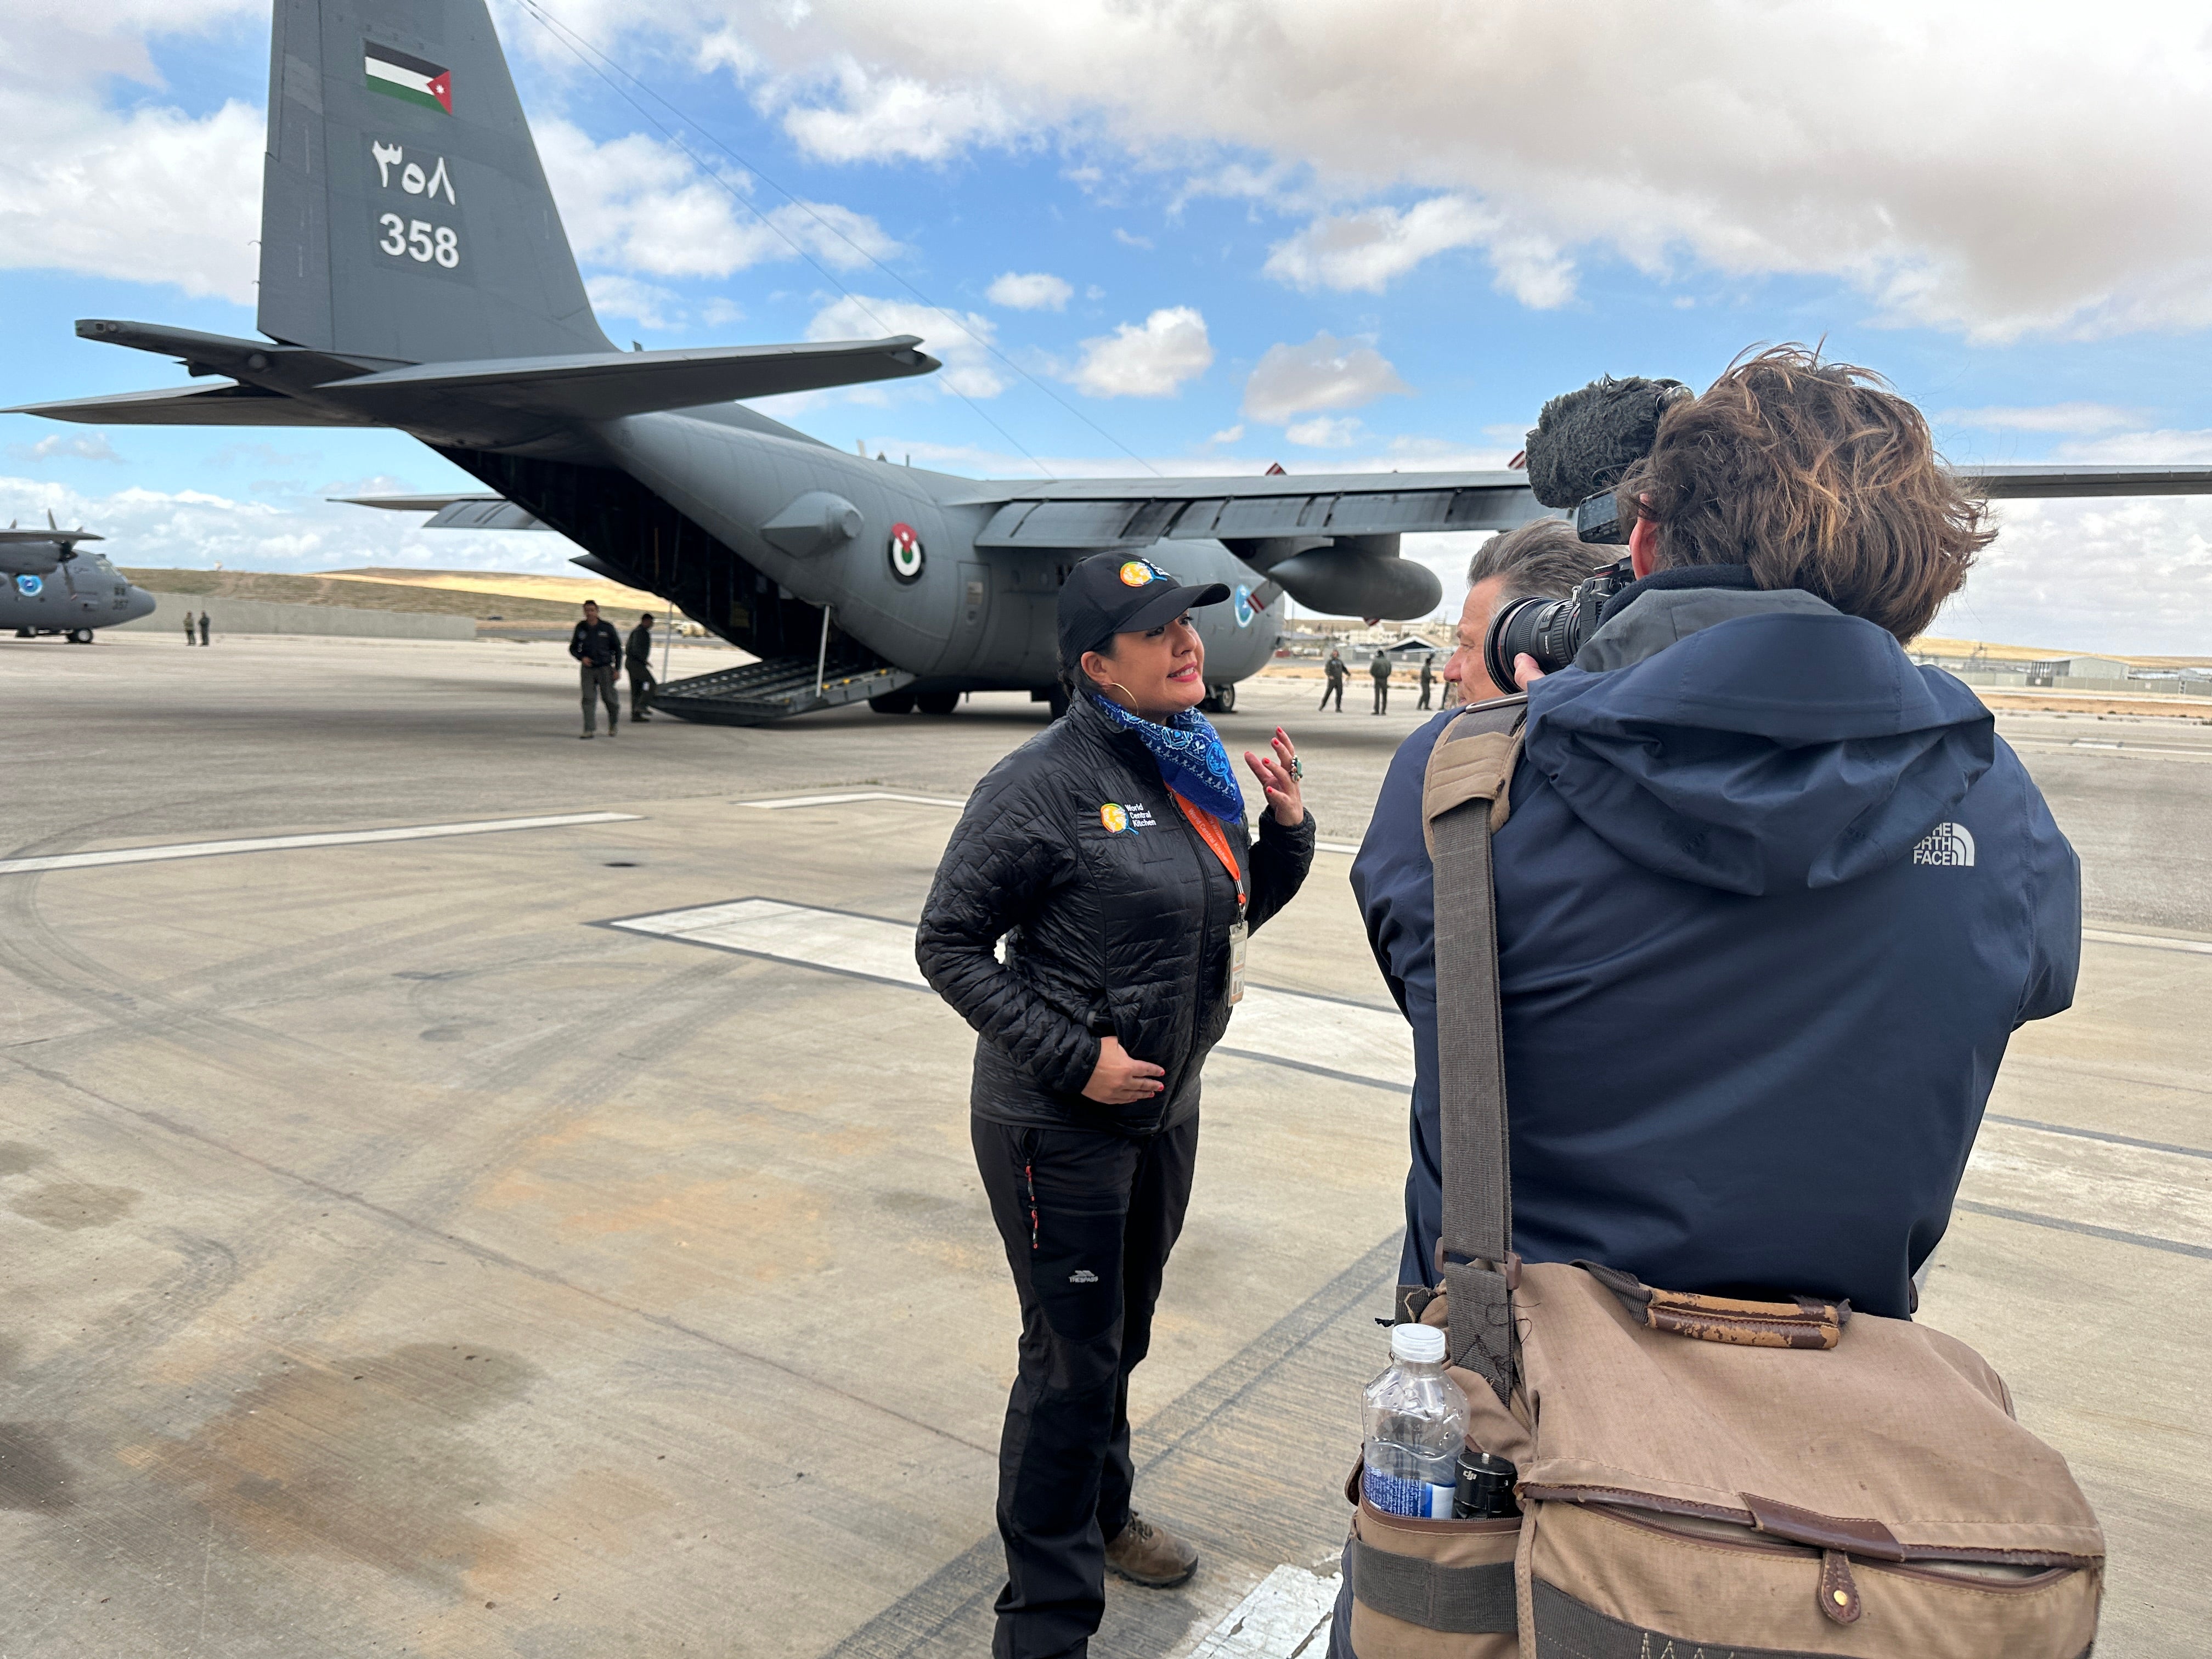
637	656
189	638
1380	668
1334	669
1428	678
597	647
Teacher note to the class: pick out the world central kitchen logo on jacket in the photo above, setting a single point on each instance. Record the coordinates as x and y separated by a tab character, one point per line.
1118	820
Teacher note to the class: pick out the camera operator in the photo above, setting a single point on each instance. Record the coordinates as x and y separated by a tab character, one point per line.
1771	899
1542	559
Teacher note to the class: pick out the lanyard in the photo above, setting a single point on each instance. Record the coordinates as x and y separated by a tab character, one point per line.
1210	832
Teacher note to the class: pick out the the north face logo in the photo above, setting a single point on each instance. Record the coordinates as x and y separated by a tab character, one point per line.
1083	1276
1947	843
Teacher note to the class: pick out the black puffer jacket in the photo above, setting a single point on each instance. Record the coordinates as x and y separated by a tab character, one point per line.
1120	932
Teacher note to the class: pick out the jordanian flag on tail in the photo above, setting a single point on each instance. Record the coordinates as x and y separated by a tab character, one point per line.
416	79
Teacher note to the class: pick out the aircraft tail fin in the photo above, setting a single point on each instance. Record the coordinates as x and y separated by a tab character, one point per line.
404	214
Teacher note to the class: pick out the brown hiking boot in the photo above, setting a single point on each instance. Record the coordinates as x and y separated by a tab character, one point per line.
1145	1552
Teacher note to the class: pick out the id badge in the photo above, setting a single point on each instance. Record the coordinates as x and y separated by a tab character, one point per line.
1239	936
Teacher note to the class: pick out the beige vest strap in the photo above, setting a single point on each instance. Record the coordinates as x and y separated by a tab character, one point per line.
1473	760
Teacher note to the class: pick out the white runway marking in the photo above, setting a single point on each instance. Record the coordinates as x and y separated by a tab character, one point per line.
2155	1196
1345	1039
839	800
1286	1617
2147	941
208	849
2130	1189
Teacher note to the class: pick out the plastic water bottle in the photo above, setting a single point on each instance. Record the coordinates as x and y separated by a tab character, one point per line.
1416	1423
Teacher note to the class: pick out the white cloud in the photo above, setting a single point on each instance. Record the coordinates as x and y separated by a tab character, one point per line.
962	345
2042	417
1151	360
1325	373
641	205
2130	576
2168	447
194	529
153	195
1127	240
76	447
1367	249
1968	165
643	303
890	117
1034	290
1326	432
1229	434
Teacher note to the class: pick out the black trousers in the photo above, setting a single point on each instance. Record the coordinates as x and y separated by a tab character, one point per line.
1333	688
640	689
1088	1221
1381	696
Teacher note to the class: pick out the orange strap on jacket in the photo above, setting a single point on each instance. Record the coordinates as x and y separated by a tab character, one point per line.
1210	830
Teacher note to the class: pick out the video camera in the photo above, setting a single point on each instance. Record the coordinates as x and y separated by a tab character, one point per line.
1582	445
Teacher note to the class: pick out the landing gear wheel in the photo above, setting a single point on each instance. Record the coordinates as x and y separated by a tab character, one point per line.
893	702
937	703
1221	700
80	637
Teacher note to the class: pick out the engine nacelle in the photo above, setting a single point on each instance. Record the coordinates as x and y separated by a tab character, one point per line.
1347	581
32	558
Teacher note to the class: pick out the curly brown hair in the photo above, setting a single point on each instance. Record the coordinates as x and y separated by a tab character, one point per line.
1816	476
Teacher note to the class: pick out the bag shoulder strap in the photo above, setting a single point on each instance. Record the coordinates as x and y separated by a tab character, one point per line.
1463	800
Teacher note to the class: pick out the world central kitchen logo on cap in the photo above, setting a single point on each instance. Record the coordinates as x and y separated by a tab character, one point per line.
417	80
1136	573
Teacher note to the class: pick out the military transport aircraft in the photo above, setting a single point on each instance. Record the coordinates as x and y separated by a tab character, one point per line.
54	587
415	274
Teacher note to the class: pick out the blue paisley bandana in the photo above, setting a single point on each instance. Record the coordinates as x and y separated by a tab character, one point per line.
1190	755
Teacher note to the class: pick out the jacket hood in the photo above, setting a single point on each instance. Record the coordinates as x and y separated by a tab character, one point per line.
1755	742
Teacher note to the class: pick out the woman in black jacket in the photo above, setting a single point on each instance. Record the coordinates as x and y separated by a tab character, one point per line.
1111	855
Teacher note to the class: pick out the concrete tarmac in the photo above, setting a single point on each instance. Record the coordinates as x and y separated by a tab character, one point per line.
514	1242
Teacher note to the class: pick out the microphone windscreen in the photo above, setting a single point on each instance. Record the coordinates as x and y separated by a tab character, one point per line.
1584	440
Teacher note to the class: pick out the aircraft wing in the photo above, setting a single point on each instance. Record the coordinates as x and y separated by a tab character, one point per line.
2032	480
454	512
1095	514
223	403
1101	513
601	386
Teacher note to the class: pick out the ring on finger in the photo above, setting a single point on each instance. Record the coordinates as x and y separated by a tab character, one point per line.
1297	766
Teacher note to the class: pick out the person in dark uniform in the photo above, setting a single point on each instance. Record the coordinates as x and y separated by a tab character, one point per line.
1110	853
1380	668
637	656
1428	678
203	628
597	647
1334	669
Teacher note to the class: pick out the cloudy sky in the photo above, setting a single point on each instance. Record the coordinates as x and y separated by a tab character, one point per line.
1213	234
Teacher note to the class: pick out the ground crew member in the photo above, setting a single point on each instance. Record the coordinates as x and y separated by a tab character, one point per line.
1428	678
637	656
1334	669
188	628
1380	668
1110	853
597	647
203	628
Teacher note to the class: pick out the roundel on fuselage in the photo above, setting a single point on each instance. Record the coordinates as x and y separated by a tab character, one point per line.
28	587
905	553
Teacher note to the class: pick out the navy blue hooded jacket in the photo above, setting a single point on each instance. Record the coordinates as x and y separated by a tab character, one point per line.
1770	902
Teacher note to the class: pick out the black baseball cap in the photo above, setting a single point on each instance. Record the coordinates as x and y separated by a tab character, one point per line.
1111	594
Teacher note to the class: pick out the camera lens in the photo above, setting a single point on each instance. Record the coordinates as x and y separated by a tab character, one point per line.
1544	628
